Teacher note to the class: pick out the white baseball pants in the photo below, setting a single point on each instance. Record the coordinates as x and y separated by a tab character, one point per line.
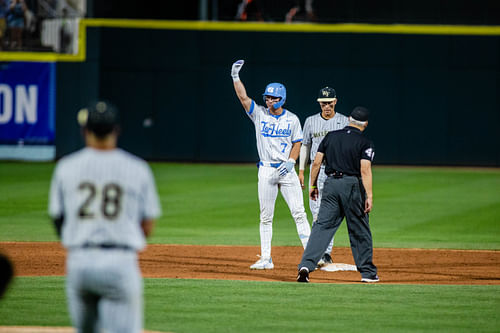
269	184
104	289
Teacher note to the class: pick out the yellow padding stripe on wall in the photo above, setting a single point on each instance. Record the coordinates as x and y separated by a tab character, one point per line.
299	27
400	29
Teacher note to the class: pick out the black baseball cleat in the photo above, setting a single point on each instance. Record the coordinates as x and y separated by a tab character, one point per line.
303	275
325	260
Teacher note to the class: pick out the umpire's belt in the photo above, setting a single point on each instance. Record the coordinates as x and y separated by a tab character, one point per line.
269	164
107	246
340	174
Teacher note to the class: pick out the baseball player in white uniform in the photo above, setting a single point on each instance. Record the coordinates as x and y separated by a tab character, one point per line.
316	128
103	201
279	135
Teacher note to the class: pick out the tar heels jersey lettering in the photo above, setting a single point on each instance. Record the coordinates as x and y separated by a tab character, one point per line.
275	135
274	130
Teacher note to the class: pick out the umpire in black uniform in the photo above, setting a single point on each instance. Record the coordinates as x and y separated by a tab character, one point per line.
347	192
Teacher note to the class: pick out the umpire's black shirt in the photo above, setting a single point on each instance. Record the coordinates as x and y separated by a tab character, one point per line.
344	149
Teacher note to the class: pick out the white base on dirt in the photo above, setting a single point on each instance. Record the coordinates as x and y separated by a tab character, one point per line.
336	267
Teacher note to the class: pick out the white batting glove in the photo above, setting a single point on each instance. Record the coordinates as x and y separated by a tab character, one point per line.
286	167
235	70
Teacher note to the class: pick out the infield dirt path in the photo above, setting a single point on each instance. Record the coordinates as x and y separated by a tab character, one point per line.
396	266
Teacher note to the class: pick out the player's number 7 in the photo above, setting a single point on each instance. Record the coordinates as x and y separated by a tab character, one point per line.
284	146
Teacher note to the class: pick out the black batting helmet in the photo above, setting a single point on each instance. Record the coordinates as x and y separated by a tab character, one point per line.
101	118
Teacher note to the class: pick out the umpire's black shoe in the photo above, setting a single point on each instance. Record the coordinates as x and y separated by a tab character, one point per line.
303	275
371	279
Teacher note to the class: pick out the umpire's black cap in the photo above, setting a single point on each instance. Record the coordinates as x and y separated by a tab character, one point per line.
360	113
326	94
101	117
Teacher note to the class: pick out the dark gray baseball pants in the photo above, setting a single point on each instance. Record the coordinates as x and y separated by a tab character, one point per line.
342	197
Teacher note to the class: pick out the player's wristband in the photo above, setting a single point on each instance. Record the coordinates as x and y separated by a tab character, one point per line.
236	78
313	187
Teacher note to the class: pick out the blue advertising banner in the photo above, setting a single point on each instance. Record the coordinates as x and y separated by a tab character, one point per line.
27	96
27	105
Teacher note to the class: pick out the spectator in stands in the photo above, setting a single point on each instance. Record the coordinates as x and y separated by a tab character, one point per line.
252	10
304	7
65	33
15	23
3	21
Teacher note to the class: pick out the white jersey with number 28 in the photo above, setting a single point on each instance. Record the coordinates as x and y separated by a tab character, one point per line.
103	196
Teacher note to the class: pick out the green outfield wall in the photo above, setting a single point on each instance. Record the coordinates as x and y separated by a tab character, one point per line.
434	92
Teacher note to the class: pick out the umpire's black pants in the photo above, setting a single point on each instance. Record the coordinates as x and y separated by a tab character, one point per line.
342	197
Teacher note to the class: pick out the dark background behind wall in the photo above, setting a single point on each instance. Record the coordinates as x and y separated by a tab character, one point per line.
468	12
434	98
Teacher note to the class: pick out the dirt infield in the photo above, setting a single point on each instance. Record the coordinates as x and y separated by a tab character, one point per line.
396	266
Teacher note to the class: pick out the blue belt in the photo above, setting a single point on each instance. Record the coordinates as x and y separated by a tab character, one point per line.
272	165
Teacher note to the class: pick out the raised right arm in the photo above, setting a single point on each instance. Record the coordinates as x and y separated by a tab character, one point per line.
239	88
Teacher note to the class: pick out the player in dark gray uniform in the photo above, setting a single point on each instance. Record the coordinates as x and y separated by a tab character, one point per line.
347	192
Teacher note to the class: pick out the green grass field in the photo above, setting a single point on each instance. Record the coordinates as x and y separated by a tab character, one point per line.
453	208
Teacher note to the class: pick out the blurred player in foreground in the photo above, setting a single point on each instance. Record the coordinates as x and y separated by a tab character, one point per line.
6	273
347	192
316	128
279	136
103	201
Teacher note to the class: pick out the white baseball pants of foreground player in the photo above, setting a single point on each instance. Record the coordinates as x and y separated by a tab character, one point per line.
114	275
269	183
